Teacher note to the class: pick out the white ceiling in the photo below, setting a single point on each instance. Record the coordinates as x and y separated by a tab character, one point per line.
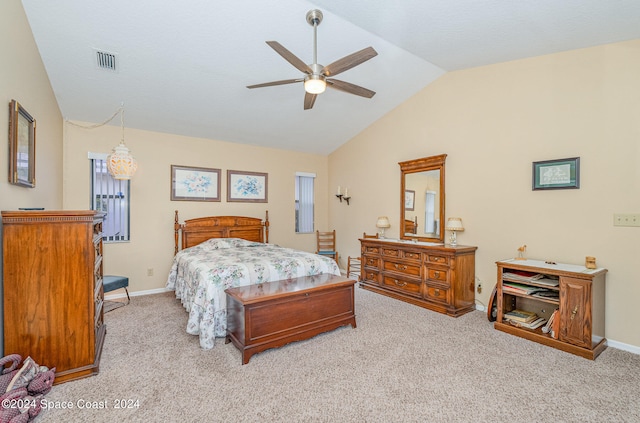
183	66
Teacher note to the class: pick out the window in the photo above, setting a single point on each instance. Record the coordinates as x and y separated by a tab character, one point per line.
304	202
111	197
430	214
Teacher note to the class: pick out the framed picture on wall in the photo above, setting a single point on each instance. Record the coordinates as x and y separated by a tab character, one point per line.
195	183
22	146
556	174
409	199
248	187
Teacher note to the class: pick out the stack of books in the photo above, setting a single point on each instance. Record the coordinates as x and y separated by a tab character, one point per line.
525	319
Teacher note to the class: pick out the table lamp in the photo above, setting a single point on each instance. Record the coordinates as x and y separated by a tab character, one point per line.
382	223
454	224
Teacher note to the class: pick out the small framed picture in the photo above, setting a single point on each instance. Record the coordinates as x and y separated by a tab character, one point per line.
22	146
248	187
556	174
409	199
195	183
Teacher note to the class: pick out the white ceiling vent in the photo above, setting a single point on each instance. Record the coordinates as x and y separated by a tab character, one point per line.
106	60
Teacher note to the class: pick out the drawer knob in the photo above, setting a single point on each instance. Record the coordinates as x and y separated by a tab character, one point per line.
436	274
400	267
400	284
437	292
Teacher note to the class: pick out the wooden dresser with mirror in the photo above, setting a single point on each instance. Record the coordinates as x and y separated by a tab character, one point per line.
419	268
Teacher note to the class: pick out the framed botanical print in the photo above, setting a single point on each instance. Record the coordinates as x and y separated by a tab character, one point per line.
195	183
247	186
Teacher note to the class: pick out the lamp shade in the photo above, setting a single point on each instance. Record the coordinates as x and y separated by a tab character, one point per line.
383	222
454	224
120	163
314	84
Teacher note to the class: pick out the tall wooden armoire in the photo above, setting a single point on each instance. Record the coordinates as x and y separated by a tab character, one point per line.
53	295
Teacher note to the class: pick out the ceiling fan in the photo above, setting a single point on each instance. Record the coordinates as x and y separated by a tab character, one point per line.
318	77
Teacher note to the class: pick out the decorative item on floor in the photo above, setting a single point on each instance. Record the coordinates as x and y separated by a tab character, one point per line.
21	397
382	224
521	251
120	162
22	146
111	283
590	262
454	224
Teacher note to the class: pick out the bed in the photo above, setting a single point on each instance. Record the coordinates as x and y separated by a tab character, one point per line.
219	252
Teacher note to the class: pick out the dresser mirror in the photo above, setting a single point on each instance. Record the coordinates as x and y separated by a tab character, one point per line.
422	199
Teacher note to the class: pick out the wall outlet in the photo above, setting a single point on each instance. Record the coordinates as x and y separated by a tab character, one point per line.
626	219
150	271
479	287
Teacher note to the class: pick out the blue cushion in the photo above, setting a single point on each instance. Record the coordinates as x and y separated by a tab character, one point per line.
111	283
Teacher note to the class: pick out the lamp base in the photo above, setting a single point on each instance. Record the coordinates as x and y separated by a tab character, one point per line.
381	234
452	239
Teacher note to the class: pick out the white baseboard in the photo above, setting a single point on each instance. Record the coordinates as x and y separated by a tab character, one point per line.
122	294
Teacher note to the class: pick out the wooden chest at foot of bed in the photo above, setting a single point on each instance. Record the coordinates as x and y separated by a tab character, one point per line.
273	314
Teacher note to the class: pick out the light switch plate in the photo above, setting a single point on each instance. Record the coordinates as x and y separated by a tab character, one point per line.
626	219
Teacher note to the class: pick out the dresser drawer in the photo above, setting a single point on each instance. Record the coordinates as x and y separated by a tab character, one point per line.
407	286
403	267
371	276
402	254
435	258
439	275
369	261
436	293
371	249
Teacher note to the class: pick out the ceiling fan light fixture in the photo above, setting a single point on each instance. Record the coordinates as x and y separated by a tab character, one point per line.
315	84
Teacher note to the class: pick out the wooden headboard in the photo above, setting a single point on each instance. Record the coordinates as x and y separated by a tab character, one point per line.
195	231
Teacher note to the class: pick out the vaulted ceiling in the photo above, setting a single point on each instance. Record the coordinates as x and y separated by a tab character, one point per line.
183	67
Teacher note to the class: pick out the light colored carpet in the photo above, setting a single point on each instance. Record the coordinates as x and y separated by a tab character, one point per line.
401	364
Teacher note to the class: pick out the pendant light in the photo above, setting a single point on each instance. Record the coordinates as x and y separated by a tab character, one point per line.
120	162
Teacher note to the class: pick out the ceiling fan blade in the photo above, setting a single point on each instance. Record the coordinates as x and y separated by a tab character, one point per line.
290	57
309	100
270	84
349	61
350	88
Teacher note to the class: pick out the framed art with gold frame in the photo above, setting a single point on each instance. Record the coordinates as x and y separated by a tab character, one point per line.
22	146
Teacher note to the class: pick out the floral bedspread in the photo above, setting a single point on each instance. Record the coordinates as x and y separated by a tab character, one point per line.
200	274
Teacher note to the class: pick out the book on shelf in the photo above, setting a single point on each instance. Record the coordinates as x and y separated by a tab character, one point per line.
520	275
547	294
521	316
519	288
536	323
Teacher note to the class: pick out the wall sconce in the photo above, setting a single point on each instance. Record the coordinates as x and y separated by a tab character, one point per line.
382	224
345	197
454	224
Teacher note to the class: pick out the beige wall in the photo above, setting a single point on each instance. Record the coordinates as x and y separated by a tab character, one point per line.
23	78
493	122
152	211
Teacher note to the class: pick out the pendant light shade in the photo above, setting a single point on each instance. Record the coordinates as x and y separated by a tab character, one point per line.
120	163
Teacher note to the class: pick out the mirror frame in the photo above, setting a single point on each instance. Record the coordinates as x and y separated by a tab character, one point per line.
422	165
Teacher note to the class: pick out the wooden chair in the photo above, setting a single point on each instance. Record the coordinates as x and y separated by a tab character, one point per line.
354	267
326	244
